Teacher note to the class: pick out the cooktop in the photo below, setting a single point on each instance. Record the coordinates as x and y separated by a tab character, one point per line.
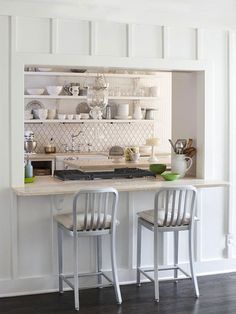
128	173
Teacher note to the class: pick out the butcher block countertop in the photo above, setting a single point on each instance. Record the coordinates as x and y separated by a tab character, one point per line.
47	185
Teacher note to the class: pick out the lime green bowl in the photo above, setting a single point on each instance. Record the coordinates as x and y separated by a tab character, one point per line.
170	176
157	168
29	180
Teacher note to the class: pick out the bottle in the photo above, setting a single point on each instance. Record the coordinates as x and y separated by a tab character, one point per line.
28	169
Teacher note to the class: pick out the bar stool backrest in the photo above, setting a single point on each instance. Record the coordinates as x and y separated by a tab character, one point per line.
176	205
99	208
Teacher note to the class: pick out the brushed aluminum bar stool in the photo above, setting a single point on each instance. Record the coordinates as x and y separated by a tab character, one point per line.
174	211
97	219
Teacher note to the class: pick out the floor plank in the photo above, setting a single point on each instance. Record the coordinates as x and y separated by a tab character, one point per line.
217	295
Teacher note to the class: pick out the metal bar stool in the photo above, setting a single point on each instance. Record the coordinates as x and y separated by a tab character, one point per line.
174	211
97	219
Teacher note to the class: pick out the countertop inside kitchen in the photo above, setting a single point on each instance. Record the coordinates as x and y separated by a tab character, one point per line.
108	164
47	185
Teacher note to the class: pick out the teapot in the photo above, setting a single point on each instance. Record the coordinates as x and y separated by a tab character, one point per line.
181	164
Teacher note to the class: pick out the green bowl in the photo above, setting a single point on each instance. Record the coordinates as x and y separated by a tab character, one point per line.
170	176
157	168
29	180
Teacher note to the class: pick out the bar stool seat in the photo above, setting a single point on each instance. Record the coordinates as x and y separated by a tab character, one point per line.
97	218
174	211
66	220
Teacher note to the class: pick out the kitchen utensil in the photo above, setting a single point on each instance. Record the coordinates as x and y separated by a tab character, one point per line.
52	113
135	157
35	91
61	116
77	116
50	148
189	143
145	150
70	116
181	164
137	114
40	114
34	104
74	90
123	110
180	144
82	108
154	91
170	176
78	70
157	168
54	90
172	144
30	146
153	141
150	114
108	112
44	69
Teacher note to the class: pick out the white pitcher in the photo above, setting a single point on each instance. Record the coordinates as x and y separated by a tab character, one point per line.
181	164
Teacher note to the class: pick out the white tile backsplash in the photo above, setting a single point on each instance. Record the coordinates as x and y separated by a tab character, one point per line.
101	135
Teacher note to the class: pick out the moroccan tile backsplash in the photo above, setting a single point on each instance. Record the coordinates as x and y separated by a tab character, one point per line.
95	136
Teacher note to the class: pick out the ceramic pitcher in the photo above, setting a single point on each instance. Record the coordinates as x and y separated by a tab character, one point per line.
181	164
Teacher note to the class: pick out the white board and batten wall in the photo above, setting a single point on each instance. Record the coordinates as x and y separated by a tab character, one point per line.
26	237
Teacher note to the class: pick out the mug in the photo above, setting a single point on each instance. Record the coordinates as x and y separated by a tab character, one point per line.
74	90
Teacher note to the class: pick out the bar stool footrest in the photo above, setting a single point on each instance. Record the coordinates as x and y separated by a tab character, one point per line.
70	284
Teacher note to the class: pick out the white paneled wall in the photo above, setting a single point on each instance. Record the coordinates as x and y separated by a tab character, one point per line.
32	266
111	39
73	37
33	35
181	43
147	41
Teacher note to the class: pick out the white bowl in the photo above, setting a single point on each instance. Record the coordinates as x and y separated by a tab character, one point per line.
54	90
40	114
35	91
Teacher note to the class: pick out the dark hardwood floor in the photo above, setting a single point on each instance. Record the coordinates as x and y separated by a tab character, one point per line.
218	296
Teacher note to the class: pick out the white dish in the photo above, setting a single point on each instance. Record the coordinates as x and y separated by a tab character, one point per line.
44	69
34	104
35	91
123	117
54	90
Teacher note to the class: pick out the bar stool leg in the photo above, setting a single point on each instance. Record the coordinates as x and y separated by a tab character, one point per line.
176	251
191	259
60	258
139	247
76	279
156	282
99	258
114	269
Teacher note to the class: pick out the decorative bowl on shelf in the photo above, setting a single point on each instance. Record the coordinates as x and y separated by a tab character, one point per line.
35	91
40	114
54	90
157	168
170	176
